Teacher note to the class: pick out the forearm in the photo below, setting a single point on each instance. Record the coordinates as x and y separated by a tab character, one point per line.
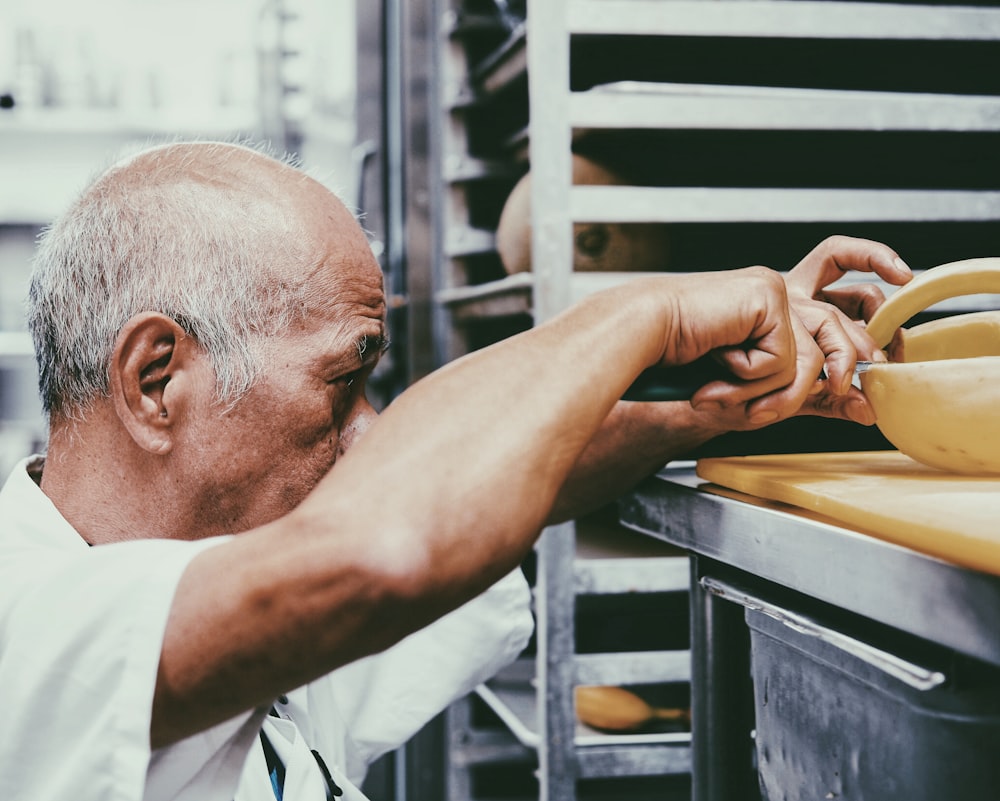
448	490
490	439
442	497
635	440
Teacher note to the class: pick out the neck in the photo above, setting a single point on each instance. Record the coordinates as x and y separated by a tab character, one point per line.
90	476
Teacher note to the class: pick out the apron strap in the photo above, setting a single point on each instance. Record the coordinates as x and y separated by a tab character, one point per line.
276	769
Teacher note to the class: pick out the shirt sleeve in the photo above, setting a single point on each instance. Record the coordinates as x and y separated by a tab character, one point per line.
80	638
384	699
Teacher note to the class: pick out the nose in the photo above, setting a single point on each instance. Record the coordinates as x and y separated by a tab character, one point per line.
360	418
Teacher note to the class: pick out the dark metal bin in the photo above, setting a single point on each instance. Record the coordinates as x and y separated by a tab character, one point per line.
837	718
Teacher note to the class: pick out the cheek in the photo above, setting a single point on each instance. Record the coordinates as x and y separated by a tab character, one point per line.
317	429
294	425
297	428
292	456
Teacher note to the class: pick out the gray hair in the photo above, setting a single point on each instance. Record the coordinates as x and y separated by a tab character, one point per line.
194	232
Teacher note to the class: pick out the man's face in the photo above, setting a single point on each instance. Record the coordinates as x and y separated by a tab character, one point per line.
258	460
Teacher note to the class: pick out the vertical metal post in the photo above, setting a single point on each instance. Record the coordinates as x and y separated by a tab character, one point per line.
551	159
458	777
548	49
721	697
556	610
419	766
442	349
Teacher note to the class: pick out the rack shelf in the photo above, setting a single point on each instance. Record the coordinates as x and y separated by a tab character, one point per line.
468	241
459	169
498	70
512	295
505	65
648	204
639	104
501	298
782	19
512	697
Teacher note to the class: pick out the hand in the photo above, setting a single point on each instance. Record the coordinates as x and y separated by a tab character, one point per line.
742	317
832	317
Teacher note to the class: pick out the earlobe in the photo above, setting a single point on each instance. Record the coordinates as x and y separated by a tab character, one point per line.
149	353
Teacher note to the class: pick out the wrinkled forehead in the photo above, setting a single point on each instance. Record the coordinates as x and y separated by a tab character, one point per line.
346	275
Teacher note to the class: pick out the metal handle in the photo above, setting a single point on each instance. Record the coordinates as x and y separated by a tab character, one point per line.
675	383
912	675
362	155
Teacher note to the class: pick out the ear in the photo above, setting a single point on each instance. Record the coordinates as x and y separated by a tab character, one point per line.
148	370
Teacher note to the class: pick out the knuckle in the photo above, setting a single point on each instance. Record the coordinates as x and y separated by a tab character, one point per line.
772	277
824	403
835	242
826	311
873	292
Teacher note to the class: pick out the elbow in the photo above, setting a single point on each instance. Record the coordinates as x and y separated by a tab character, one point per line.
395	576
374	584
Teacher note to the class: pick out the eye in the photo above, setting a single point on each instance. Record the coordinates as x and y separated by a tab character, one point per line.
347	379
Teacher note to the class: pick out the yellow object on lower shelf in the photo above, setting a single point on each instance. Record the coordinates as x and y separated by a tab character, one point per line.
617	710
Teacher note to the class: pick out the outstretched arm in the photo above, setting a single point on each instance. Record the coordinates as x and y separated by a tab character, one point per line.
639	438
449	489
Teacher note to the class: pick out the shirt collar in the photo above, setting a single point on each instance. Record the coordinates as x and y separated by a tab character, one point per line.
28	513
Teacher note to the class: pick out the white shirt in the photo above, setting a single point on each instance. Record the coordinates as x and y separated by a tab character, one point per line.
80	635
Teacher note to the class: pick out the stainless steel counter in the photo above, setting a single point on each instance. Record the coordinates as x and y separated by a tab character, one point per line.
814	575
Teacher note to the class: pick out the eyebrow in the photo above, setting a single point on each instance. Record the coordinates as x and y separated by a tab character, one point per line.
370	347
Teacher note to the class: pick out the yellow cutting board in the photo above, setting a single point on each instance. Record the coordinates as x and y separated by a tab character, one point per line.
881	493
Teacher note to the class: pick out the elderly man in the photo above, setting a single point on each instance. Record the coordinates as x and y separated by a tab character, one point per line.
273	599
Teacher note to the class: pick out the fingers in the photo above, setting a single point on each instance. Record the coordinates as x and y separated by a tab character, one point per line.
829	314
837	255
778	344
851	406
776	395
842	341
858	302
741	316
787	400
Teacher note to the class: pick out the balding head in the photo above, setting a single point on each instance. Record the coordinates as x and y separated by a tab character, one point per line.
237	171
217	236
